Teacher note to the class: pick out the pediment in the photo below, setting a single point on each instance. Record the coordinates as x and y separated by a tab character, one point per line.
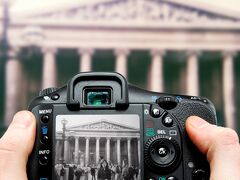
102	125
138	12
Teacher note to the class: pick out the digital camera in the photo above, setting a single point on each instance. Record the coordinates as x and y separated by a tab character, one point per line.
98	127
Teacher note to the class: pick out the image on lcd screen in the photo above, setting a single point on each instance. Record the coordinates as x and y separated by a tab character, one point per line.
97	147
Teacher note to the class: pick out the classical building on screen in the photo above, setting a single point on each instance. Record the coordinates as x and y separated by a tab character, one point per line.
87	144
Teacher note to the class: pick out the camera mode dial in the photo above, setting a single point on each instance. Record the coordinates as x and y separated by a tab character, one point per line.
47	91
161	153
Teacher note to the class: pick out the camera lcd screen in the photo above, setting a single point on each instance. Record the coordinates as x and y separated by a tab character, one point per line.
97	147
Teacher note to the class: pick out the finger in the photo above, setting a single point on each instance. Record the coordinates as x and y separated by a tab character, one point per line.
16	145
221	145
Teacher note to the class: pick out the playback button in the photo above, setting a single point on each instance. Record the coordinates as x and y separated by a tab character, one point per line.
44	139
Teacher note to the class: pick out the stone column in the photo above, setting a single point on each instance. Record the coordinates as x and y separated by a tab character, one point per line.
192	73
57	150
97	149
49	76
156	82
121	61
66	150
87	151
129	151
139	151
85	59
119	151
76	150
108	149
13	86
228	89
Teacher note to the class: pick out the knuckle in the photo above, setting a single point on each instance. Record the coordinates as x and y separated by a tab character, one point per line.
227	136
6	151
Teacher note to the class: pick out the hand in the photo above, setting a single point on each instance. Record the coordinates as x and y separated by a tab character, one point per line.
16	145
220	145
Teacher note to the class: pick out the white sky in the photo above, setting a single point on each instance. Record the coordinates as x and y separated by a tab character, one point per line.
30	5
74	120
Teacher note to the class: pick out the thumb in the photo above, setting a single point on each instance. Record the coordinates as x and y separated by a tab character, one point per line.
15	146
221	146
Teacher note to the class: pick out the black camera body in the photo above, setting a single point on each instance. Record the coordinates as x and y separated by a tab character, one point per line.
99	127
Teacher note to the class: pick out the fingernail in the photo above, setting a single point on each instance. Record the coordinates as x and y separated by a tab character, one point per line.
197	122
22	119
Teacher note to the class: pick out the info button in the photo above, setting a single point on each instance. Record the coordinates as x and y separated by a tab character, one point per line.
43	159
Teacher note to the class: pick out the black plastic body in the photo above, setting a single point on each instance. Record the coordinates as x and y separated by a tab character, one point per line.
126	100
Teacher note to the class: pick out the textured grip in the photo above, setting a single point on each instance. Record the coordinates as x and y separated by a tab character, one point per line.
187	108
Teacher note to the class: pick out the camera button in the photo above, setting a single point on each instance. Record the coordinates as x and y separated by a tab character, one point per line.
163	151
167	102
45	118
43	160
171	178
156	111
44	139
199	174
55	97
167	121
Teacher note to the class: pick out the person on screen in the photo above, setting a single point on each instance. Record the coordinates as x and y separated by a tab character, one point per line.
93	172
104	173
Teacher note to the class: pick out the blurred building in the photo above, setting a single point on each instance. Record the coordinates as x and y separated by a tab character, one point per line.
168	46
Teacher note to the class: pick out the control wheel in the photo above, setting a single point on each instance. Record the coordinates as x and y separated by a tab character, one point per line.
162	153
47	91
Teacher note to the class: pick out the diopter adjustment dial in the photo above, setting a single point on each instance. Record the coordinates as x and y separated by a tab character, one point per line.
162	153
47	91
